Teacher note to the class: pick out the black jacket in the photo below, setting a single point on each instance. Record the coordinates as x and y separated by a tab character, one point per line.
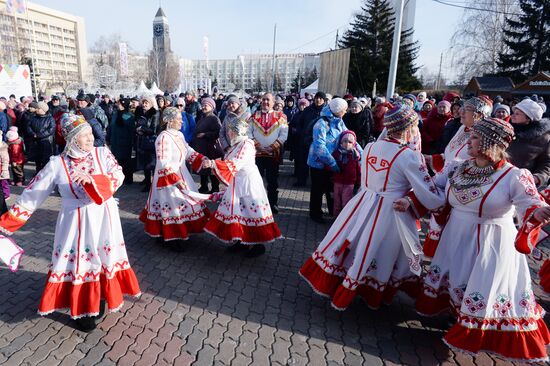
309	116
531	149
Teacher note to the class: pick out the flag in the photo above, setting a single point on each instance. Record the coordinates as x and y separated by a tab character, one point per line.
123	56
10	5
20	6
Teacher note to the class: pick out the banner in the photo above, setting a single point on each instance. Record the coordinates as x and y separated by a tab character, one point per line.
15	79
123	56
333	74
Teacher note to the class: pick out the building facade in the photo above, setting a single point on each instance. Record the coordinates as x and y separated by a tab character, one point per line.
56	40
254	71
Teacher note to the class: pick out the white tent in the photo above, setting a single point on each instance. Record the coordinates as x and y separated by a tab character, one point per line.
155	89
142	89
311	89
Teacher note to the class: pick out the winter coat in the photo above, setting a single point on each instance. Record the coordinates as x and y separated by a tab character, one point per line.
378	117
193	108
187	126
108	109
308	118
120	134
531	149
97	128
350	167
4	161
289	112
361	124
41	130
4	124
326	134
449	131
16	151
432	130
210	126
147	128
99	114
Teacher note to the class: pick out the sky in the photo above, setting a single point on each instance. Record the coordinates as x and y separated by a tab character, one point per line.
245	26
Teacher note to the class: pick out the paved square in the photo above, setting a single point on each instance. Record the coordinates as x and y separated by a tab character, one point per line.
205	306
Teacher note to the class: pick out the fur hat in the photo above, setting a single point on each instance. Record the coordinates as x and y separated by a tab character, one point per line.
501	106
531	108
43	106
209	101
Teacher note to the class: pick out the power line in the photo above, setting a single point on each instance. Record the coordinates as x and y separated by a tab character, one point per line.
316	39
472	8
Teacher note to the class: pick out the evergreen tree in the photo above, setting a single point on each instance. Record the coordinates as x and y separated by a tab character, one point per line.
527	38
370	39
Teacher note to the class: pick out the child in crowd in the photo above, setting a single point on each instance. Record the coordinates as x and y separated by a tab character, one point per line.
349	175
17	156
4	169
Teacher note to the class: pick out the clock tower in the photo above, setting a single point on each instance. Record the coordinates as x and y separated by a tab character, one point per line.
161	36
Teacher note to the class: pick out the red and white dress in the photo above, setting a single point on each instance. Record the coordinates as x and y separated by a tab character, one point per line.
244	212
170	213
455	151
363	252
89	260
477	272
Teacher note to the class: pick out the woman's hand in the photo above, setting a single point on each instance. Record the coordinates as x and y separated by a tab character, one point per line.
81	178
401	205
542	214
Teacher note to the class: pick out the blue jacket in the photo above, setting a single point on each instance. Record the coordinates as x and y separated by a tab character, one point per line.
326	134
4	124
187	126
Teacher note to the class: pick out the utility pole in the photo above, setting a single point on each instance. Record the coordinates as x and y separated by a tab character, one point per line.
395	48
336	42
439	73
273	59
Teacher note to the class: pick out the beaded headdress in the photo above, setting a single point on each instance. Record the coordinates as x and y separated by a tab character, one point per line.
494	132
481	104
399	118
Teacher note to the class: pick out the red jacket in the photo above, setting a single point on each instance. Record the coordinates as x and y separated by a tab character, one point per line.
15	150
432	129
350	171
378	115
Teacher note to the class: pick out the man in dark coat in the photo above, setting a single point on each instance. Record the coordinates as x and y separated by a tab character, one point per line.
307	120
41	130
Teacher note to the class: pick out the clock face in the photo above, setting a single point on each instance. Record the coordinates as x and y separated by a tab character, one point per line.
158	29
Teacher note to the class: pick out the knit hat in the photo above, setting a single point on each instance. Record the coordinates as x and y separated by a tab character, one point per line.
180	101
151	99
33	105
12	134
71	125
501	106
445	103
356	103
321	94
379	100
233	99
279	100
304	102
410	97
481	104
43	106
399	118
494	132
422	96
531	108
209	101
347	132
337	105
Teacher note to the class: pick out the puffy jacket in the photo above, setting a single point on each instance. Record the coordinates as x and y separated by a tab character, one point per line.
326	133
41	127
15	151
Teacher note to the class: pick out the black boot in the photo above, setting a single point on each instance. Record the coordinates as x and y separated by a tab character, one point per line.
86	323
256	251
237	247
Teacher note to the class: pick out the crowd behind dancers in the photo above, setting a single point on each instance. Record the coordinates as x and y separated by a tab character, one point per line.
472	166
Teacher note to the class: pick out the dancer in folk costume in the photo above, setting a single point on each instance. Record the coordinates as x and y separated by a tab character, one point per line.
89	260
244	215
170	213
489	286
363	253
474	110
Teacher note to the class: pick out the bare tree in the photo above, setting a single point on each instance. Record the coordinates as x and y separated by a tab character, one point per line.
478	39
